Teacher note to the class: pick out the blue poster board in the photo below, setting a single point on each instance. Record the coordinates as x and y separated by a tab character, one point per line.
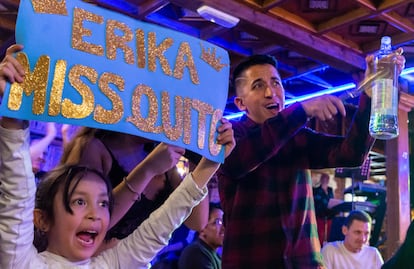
89	66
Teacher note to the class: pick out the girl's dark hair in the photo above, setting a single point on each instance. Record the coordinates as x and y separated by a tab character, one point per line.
62	177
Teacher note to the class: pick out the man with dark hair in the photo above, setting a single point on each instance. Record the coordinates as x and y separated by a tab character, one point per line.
353	251
265	185
202	253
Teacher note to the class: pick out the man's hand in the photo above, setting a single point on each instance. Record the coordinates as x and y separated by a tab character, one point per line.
323	107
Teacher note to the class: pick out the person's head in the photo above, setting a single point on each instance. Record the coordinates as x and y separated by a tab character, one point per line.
259	89
324	179
356	229
38	156
213	233
72	208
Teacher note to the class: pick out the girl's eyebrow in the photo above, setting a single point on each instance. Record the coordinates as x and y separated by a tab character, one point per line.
85	193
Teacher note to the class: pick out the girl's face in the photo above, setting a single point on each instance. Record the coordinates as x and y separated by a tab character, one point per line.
77	236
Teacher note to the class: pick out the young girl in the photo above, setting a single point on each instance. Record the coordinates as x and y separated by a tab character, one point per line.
73	205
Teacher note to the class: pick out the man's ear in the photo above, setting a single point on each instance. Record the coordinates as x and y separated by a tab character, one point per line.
41	220
344	230
238	101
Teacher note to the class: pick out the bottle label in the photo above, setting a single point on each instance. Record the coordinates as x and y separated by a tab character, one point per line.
382	94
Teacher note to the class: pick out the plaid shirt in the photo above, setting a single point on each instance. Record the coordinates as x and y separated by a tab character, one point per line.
266	191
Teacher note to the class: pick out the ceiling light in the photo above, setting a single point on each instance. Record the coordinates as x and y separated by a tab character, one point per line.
217	16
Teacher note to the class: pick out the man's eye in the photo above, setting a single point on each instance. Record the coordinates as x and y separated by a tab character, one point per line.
275	83
259	85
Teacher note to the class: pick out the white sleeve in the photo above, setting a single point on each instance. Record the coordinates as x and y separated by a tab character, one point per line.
17	192
139	248
327	252
379	261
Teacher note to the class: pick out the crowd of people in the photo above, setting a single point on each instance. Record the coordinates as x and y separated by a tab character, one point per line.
115	199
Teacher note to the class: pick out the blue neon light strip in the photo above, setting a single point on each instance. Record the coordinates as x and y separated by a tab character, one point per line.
407	71
337	89
341	88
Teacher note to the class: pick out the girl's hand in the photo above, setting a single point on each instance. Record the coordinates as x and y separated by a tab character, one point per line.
10	69
226	137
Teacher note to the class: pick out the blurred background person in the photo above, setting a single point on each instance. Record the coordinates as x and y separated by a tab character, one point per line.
354	251
324	200
202	252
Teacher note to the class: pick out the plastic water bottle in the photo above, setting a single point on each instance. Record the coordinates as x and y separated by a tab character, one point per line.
384	108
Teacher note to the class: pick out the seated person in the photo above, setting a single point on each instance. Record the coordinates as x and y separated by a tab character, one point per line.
202	253
354	251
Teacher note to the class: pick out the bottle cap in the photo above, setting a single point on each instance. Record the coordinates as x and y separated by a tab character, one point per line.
386	40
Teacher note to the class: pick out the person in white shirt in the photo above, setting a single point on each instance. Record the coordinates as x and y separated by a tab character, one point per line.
354	251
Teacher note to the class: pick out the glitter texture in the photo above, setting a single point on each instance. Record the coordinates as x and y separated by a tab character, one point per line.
114	42
78	32
140	39
75	111
33	82
187	121
57	88
209	56
113	116
50	7
173	133
213	146
145	124
203	109
185	52
155	52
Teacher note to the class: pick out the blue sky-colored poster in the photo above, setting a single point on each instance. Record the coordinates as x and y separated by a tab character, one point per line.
89	66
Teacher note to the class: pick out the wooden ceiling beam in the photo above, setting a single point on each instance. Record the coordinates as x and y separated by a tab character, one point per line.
343	42
11	3
288	35
268	4
292	18
398	21
150	6
7	23
397	41
211	31
343	20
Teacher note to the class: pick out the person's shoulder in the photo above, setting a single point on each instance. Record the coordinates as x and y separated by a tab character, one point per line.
371	249
192	249
331	246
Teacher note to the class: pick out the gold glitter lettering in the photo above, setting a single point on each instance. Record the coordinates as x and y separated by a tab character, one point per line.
180	63
187	121
78	32
155	52
145	124
209	56
213	146
140	43
113	116
173	133
203	109
35	82
57	88
50	7
114	41
80	111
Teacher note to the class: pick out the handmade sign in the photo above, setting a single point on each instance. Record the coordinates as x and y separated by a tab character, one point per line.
89	66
